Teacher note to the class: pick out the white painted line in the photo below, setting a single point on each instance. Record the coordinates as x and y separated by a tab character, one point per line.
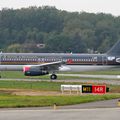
65	110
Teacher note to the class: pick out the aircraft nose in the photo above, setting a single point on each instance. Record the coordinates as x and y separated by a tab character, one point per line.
64	68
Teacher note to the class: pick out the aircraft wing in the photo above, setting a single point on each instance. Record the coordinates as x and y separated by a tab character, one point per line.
52	66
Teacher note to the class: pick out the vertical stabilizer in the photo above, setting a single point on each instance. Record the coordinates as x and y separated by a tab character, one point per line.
115	50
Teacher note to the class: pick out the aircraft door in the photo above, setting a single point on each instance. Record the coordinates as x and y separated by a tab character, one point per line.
104	60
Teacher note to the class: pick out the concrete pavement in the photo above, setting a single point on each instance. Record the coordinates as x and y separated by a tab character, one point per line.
71	114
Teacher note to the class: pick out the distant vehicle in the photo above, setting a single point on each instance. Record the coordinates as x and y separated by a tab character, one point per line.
36	64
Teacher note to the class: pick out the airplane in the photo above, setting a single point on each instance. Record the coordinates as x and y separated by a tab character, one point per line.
36	64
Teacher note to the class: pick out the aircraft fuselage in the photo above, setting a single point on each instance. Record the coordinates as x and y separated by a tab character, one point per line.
16	61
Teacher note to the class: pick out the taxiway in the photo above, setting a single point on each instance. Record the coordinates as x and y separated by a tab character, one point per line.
71	114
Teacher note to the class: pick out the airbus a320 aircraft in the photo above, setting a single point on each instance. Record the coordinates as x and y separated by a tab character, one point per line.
36	64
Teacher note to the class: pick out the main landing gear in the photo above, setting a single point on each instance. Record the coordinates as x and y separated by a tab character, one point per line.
53	77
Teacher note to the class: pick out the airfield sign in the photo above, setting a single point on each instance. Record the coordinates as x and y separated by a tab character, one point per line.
99	89
94	89
86	88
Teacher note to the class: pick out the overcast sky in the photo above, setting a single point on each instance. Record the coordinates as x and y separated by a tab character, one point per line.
95	6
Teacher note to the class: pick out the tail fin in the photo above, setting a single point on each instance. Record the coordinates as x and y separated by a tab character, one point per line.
115	50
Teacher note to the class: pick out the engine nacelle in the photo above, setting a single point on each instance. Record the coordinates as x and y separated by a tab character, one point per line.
35	73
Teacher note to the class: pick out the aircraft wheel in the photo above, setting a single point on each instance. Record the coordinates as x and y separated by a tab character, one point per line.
53	77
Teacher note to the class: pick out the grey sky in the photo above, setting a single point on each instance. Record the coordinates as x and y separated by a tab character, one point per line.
105	6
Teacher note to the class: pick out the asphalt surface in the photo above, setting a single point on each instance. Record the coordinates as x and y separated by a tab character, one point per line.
92	76
98	104
71	114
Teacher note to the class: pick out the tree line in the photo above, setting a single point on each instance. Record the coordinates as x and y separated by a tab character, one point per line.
25	29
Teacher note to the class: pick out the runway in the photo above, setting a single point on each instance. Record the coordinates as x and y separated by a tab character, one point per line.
92	76
84	78
98	104
110	79
71	114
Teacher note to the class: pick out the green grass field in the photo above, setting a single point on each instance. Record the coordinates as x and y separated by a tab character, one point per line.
34	85
19	74
43	85
7	100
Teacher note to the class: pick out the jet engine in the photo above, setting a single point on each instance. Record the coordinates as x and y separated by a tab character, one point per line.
31	71
35	73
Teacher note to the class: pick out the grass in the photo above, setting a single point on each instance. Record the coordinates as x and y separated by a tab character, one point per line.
40	101
30	85
8	100
20	75
44	86
12	74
